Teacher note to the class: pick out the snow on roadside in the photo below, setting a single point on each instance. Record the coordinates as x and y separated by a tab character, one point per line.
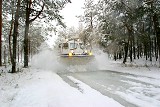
9	86
38	88
137	67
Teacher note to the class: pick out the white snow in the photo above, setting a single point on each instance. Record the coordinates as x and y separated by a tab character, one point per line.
40	86
94	95
141	95
48	90
139	67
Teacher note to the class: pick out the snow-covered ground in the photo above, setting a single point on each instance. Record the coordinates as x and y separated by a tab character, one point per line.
137	67
40	86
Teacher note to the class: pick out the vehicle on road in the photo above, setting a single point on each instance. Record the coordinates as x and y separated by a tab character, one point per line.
75	48
74	51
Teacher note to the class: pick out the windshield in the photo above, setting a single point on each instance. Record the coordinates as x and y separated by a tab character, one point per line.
65	45
81	45
73	45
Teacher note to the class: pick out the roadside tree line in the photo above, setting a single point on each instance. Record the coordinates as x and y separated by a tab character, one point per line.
124	28
134	27
22	28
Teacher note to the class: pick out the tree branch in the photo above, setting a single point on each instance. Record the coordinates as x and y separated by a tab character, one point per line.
37	14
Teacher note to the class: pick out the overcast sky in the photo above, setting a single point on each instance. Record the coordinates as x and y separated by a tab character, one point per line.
71	11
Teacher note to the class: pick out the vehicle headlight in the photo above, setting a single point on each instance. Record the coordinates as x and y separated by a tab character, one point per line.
90	53
86	51
72	51
70	54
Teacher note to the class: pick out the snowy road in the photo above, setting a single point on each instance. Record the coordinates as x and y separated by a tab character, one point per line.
128	89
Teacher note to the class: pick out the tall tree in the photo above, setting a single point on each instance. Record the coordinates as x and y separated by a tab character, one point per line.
89	18
0	32
154	4
46	9
15	34
27	23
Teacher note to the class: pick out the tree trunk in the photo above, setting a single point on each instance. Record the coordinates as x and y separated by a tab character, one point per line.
120	55
10	35
138	49
145	51
131	52
15	34
21	55
4	55
155	44
28	21
126	52
18	51
134	48
26	46
157	29
26	35
150	50
115	56
130	42
0	32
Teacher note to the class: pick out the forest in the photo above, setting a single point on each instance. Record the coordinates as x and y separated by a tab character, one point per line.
125	29
23	30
